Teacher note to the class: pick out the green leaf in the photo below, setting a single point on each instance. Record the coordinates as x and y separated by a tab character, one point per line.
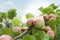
16	21
1	19
28	37
1	31
57	12
1	25
39	34
4	14
52	24
46	37
54	6
29	15
49	9
57	37
7	31
42	10
11	13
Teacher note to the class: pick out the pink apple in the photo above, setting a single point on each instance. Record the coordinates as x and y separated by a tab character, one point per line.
47	28
16	29
5	37
39	22
46	16
30	22
51	33
52	16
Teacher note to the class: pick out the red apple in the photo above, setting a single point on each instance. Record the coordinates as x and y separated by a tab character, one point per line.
47	28
52	16
5	37
39	22
51	33
46	16
30	22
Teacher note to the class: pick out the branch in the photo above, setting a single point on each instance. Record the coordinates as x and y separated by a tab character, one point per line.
22	34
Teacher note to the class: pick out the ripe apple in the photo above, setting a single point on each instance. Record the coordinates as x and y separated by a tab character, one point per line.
30	22
5	37
51	33
39	22
47	28
46	16
52	16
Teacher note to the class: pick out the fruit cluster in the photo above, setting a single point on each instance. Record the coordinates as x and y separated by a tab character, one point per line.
41	23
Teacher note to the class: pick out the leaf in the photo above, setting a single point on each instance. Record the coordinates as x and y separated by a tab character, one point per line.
29	15
42	10
46	37
1	19
39	34
28	37
11	13
16	21
54	6
7	31
0	31
49	9
57	37
4	14
57	12
1	25
52	24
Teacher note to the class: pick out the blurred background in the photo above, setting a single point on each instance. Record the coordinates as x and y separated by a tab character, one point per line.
26	6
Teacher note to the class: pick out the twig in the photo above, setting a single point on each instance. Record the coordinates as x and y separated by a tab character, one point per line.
19	36
22	34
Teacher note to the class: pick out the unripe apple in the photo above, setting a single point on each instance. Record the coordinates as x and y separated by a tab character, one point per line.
47	28
51	33
39	22
52	16
16	29
30	22
5	37
46	16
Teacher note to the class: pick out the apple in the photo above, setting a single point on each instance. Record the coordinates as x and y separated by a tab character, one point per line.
47	28
30	22
46	16
51	33
52	16
16	29
5	37
39	22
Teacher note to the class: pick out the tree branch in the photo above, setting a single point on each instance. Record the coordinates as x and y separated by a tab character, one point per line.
22	34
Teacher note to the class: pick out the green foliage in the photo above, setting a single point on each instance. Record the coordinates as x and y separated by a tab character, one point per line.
4	14
28	37
16	21
7	31
52	24
46	37
29	15
11	13
1	19
36	34
57	37
49	9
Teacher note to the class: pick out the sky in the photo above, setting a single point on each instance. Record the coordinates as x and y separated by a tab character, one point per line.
26	6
